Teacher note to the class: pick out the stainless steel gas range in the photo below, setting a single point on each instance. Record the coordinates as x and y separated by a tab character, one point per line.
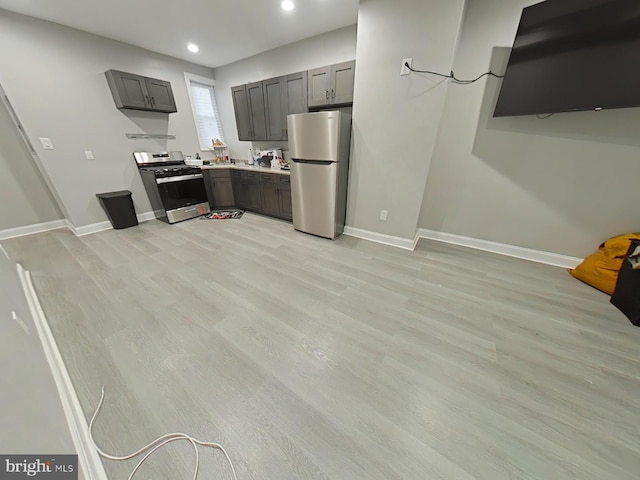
176	190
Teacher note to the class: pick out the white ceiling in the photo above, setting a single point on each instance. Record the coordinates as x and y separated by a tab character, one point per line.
225	30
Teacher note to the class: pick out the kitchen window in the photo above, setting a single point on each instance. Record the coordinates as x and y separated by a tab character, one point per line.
205	109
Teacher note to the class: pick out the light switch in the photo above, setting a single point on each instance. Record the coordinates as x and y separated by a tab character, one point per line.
46	143
89	155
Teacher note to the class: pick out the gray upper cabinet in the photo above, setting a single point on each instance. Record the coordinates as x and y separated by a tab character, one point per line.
319	86
331	85
256	106
243	114
261	108
136	92
128	90
284	96
249	107
161	95
274	104
294	97
342	80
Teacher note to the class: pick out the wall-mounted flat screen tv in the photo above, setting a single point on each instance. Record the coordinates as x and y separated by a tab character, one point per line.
573	55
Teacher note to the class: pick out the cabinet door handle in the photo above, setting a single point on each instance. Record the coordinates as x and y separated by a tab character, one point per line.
153	101
148	100
333	94
327	94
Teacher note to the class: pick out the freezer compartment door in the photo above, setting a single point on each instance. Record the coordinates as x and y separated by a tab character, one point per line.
314	136
313	196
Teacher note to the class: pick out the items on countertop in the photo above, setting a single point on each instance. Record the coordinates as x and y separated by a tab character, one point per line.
220	150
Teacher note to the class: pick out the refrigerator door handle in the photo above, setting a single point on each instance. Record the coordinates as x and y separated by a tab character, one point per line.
312	162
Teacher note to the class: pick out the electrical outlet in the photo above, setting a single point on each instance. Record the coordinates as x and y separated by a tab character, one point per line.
404	70
383	215
89	155
46	143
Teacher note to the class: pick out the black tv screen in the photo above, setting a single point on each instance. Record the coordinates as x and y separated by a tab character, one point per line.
573	55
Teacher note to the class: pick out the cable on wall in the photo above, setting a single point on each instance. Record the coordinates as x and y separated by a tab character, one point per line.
156	445
452	75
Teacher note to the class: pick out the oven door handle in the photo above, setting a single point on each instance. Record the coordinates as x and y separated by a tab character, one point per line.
179	178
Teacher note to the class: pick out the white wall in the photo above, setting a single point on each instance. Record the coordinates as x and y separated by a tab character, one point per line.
54	77
329	48
561	185
25	198
396	119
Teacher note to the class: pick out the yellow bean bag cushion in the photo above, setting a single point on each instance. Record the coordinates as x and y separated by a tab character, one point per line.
600	270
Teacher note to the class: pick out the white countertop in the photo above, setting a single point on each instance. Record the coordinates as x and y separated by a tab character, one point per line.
240	166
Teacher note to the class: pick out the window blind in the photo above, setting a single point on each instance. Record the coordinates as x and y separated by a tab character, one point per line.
206	113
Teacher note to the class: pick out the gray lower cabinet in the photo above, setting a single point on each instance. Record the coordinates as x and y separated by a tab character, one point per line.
260	192
252	191
238	190
219	188
246	190
269	193
331	85
275	190
284	186
249	107
135	92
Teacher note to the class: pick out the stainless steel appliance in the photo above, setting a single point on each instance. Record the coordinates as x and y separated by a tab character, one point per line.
176	190
319	159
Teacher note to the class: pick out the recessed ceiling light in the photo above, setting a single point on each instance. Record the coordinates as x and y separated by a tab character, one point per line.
193	48
287	5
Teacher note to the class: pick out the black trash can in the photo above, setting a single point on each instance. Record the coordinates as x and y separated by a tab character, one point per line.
119	208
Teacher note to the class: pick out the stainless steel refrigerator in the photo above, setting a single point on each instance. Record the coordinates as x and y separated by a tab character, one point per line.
319	145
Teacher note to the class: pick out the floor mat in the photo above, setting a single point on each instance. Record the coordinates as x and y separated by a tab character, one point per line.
223	214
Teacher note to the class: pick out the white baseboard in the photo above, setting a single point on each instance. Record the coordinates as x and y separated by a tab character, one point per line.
91	228
54	225
405	243
102	226
146	216
88	458
538	256
31	229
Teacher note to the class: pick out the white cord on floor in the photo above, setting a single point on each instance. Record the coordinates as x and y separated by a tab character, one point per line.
157	444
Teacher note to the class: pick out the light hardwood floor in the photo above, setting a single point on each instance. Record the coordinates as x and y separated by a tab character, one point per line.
312	359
